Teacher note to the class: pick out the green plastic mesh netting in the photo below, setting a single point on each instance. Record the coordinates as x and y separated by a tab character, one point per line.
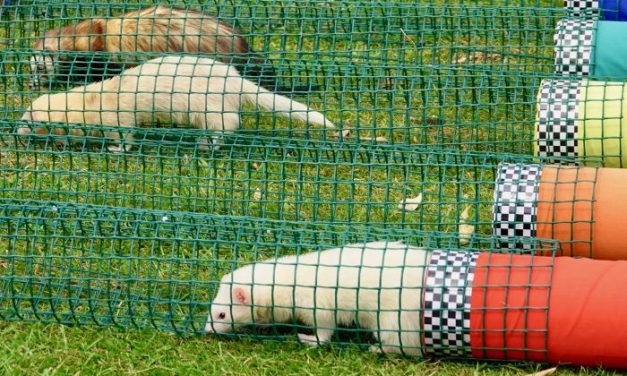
427	101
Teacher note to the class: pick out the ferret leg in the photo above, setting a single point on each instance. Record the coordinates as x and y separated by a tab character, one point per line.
389	343
122	142
216	142
388	334
123	146
62	142
226	122
385	349
324	324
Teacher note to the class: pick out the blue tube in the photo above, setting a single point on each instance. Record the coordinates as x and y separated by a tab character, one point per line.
614	10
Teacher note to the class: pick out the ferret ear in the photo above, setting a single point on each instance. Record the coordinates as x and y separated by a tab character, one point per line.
86	36
97	26
240	296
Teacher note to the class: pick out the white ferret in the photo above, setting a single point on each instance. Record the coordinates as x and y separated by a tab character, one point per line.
376	285
182	90
157	29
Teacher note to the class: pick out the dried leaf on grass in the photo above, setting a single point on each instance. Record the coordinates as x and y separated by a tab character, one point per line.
465	214
544	372
257	194
434	121
479	57
465	230
376	139
465	233
410	204
408	38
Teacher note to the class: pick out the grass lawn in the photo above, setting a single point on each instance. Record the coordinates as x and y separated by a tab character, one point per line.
89	232
56	350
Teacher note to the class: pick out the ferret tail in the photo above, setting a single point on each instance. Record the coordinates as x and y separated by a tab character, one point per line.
267	100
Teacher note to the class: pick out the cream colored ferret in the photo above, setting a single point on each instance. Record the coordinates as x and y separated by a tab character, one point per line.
182	90
376	285
157	29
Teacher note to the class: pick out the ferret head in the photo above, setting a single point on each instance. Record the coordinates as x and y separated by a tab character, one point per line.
238	303
43	61
35	113
46	63
231	308
45	109
42	68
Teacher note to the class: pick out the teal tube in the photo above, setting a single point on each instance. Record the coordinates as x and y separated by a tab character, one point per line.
591	48
609	55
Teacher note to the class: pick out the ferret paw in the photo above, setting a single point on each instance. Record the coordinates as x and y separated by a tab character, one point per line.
308	340
385	349
375	349
204	144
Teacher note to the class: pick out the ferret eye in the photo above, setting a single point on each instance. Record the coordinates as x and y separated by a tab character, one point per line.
222	315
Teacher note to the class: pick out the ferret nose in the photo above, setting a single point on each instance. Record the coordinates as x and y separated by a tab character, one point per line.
209	328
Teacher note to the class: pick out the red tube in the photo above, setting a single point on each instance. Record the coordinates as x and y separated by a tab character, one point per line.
509	307
588	320
561	310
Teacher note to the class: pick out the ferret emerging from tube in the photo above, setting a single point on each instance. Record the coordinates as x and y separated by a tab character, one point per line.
182	90
156	29
376	285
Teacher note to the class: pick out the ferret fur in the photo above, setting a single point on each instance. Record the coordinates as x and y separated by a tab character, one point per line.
376	285
156	29
182	90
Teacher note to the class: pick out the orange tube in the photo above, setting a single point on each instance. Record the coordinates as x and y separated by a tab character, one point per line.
582	207
565	208
560	310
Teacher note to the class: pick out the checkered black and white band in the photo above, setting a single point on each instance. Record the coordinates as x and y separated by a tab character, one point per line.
515	203
581	7
557	118
448	289
573	46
